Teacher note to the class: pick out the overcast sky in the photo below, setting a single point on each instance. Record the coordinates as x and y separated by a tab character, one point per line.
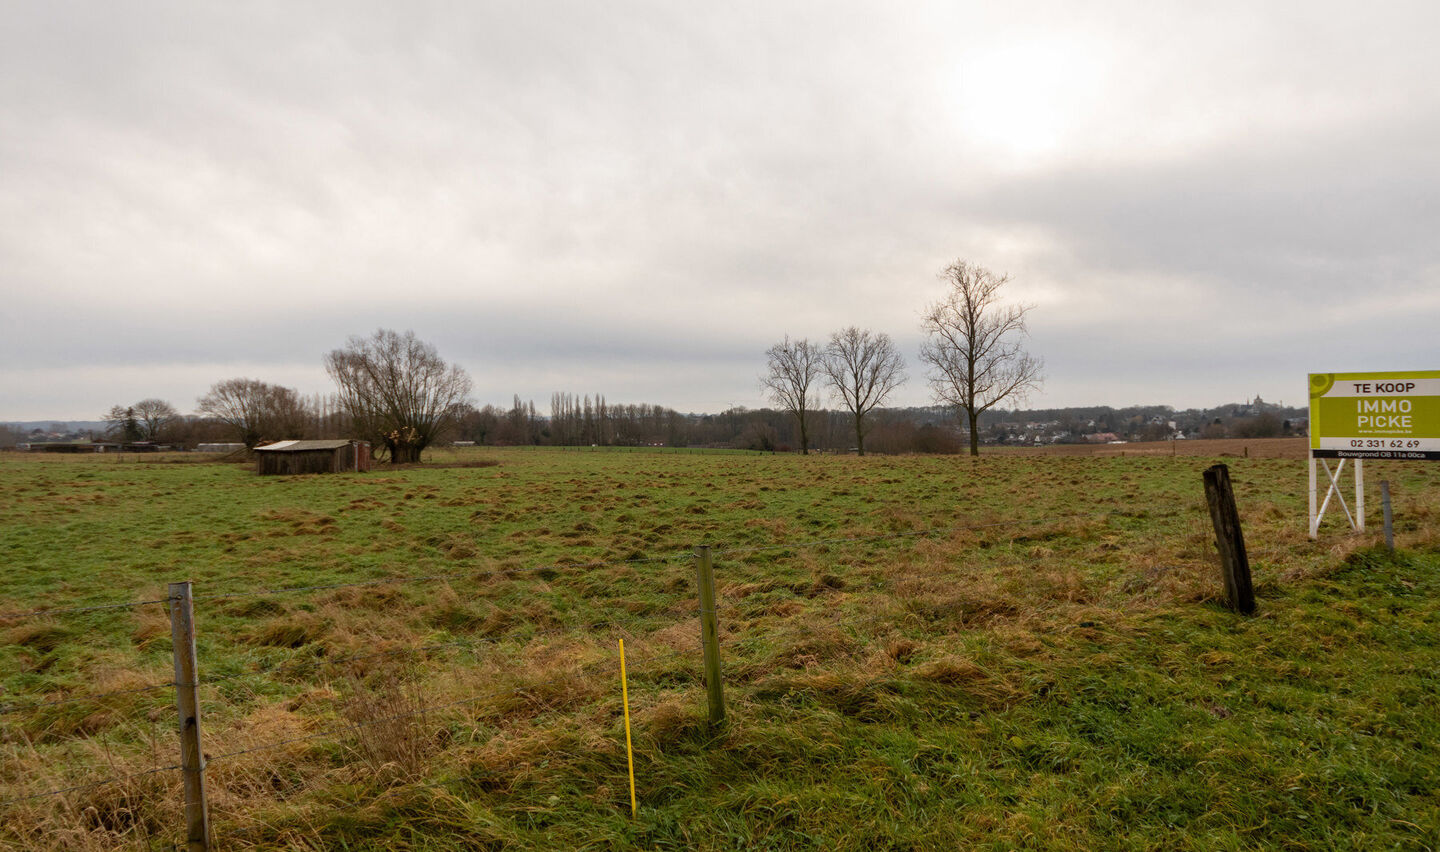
1203	201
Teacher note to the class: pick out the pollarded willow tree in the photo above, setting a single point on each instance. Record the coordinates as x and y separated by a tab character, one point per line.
863	367
793	370
974	350
399	391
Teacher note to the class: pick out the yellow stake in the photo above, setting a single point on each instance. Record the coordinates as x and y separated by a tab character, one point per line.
629	753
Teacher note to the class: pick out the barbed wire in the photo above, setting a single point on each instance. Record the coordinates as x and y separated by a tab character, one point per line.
286	667
911	533
89	785
377	581
313	663
584	671
244	830
557	567
73	609
381	581
327	732
565	566
291	666
300	784
319	663
18	708
344	729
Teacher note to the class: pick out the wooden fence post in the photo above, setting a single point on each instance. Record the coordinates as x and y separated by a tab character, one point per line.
187	701
709	633
1234	564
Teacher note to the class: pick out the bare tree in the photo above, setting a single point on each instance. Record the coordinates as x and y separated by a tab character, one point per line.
794	368
399	392
255	410
863	368
156	417
974	350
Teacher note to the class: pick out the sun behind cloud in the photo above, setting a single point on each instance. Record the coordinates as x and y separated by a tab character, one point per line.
1023	102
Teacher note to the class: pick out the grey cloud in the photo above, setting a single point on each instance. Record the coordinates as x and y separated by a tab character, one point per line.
563	195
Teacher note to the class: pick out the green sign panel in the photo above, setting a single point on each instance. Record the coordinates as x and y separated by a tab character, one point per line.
1375	415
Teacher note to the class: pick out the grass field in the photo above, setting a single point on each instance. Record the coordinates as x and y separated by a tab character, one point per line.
1023	650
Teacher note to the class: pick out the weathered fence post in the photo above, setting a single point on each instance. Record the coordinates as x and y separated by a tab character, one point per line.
1389	519
187	701
709	633
1234	564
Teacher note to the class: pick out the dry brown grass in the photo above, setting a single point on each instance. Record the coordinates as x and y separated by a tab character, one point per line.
388	709
289	631
132	809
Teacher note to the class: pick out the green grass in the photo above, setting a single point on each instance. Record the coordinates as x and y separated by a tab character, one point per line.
1018	652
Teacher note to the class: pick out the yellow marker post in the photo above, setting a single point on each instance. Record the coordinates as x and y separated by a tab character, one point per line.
629	752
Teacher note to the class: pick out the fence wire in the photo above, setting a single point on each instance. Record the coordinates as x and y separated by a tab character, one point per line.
300	784
95	696
89	785
559	567
292	666
925	533
473	699
344	729
8	616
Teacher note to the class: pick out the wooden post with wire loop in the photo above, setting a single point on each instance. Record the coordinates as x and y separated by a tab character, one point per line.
187	702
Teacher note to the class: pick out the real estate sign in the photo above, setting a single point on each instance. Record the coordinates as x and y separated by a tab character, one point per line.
1375	415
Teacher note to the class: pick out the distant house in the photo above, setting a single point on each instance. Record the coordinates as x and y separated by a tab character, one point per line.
284	458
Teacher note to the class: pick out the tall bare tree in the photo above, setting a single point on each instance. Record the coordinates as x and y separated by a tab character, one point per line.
256	411
863	367
399	391
974	350
156	417
794	369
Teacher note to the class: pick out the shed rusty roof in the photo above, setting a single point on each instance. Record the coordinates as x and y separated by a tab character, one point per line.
301	446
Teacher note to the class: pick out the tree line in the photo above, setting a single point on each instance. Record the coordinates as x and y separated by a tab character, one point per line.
395	391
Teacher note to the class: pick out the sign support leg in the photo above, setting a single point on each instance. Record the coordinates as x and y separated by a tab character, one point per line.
1359	522
1314	518
1333	490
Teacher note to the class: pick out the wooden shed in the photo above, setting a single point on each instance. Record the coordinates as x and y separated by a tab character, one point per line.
289	457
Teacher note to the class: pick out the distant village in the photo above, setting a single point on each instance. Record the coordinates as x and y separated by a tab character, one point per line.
1253	419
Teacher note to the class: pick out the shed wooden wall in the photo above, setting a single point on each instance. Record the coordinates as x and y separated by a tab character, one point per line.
305	461
352	457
